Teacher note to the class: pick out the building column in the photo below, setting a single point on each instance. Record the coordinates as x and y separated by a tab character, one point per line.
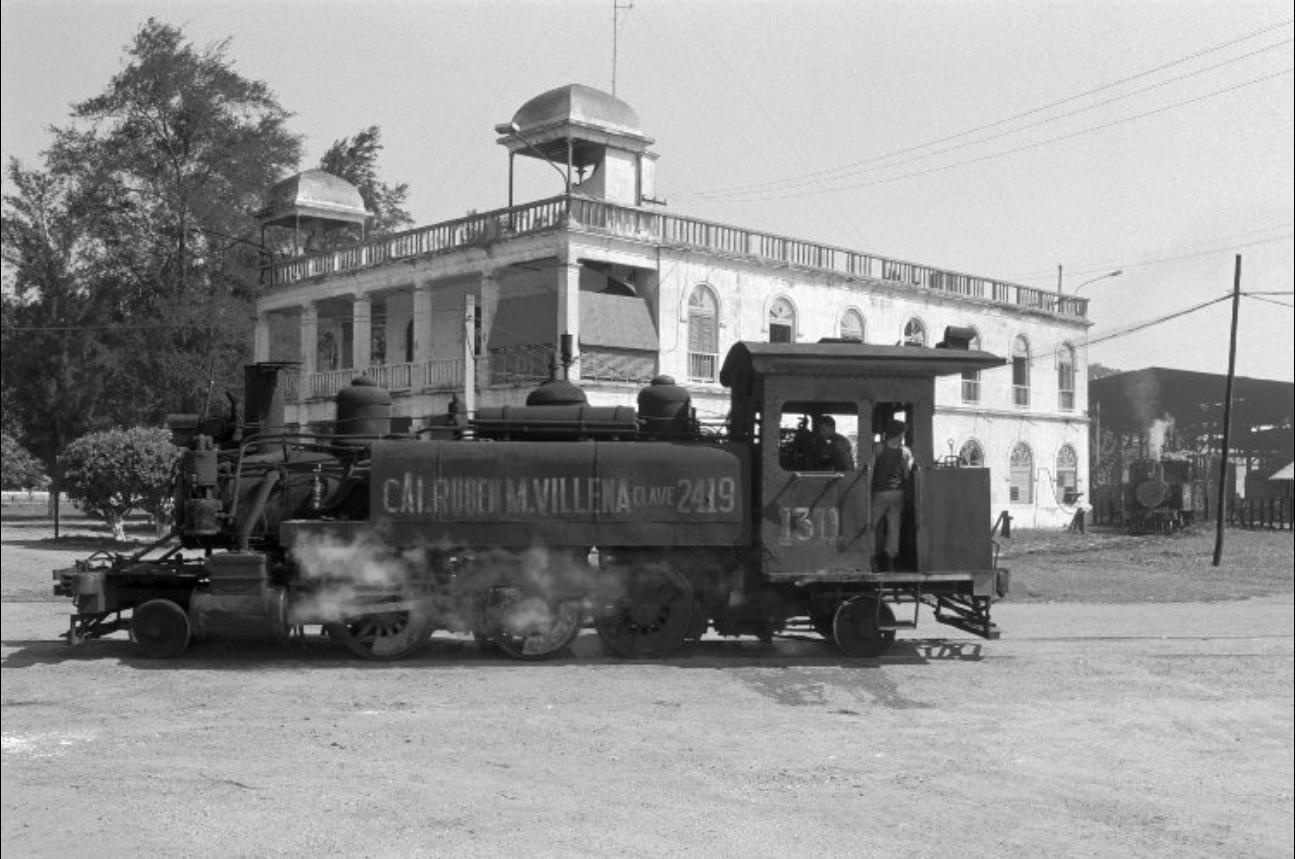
488	291
309	320
569	312
469	354
261	338
361	333
422	317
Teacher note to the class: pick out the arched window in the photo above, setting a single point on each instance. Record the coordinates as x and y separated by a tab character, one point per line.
1021	371
1021	469
703	335
972	378
852	326
782	321
1066	378
915	332
971	454
1066	474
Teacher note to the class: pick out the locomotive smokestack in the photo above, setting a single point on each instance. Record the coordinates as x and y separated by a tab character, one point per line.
264	404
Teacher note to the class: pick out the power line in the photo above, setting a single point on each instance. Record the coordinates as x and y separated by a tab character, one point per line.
1269	300
1223	249
857	168
811	176
160	326
1229	244
1015	150
1140	326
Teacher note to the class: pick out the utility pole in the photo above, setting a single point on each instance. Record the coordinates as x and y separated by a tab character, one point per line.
1228	414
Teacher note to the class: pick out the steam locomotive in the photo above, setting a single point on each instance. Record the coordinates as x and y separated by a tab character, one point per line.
1164	495
524	524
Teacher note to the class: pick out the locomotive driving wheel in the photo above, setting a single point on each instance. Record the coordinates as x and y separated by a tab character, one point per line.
384	633
159	629
858	626
531	626
651	617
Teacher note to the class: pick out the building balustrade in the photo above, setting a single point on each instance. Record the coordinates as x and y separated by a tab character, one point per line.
671	230
443	375
702	367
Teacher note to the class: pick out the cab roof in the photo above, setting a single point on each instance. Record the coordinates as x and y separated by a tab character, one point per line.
748	359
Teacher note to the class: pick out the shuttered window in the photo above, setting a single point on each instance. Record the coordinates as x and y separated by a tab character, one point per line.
703	335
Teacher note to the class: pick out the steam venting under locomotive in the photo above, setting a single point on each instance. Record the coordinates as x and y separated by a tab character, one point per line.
524	525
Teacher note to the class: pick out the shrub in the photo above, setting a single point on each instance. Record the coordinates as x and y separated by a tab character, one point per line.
109	474
18	468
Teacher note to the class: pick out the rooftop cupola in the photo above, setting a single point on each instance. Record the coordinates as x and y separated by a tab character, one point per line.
313	204
590	137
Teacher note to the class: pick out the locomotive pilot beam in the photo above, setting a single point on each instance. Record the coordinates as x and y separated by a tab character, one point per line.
536	520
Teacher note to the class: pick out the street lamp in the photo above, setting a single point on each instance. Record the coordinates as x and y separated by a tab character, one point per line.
511	129
1116	273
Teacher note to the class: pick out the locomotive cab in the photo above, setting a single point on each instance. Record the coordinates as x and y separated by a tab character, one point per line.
813	511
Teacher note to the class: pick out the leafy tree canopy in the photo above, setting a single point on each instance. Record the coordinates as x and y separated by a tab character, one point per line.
355	159
132	251
18	468
109	474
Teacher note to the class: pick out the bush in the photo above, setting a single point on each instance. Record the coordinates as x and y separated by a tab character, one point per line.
110	474
18	468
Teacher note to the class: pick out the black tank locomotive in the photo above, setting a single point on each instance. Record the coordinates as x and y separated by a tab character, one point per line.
522	524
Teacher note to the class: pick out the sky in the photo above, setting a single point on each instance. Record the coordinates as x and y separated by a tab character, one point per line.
1000	139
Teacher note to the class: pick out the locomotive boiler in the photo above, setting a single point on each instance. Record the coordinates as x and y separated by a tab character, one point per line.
524	524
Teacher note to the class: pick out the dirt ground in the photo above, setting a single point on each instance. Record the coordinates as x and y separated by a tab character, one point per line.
1153	729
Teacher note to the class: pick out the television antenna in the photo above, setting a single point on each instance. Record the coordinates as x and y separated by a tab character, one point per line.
617	8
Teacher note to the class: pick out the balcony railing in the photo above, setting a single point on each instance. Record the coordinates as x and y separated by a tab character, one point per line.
442	375
702	366
671	230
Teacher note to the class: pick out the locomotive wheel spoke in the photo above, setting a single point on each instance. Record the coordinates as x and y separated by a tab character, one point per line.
856	626
530	626
382	635
160	629
652	618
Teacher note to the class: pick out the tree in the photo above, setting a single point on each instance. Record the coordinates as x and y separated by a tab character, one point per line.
18	468
110	474
1101	371
355	159
59	373
133	249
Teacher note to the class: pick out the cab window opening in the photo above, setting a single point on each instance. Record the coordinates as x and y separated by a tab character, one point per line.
819	436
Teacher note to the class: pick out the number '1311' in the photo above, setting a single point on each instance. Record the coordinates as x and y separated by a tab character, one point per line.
809	524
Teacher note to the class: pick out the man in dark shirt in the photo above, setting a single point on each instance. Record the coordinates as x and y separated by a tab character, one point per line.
832	450
892	463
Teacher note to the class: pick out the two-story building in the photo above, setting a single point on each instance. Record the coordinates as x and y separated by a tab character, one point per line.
473	308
